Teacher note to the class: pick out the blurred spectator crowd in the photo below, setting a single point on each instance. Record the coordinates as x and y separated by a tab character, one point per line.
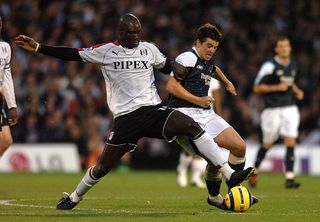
65	101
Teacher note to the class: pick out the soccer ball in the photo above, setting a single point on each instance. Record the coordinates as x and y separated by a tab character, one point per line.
238	199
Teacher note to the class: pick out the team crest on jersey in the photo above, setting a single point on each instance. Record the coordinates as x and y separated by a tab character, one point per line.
4	50
2	61
200	67
280	72
143	52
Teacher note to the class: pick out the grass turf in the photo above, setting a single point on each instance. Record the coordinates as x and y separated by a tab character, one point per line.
149	196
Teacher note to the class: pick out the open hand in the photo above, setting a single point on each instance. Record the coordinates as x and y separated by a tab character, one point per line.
27	43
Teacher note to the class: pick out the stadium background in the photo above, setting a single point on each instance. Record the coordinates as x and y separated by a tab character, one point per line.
65	101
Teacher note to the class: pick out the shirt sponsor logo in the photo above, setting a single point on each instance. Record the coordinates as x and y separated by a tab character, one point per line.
132	64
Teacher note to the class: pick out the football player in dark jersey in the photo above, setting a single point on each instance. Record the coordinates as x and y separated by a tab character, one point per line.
276	83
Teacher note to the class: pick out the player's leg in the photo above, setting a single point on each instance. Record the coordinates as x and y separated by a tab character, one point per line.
108	159
289	130
185	160
232	141
5	139
213	180
198	166
180	124
270	126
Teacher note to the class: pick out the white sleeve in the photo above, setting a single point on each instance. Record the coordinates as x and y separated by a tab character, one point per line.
187	59
8	89
94	54
214	85
159	59
266	69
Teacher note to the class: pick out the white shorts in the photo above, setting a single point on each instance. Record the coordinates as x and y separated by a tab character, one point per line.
280	121
212	123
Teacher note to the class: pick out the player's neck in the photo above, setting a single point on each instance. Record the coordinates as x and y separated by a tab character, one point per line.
283	60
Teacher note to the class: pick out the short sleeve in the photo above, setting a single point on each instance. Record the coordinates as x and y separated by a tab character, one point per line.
265	70
95	54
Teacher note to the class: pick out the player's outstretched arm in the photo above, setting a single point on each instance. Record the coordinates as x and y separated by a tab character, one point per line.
219	75
31	45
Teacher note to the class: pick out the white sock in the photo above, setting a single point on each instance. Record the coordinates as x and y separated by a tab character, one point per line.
226	170
84	186
198	167
184	162
210	149
218	200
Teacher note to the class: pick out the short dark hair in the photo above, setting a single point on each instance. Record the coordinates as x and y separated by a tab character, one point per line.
280	39
208	31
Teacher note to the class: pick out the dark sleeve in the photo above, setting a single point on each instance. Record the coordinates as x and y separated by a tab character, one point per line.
179	71
167	68
64	53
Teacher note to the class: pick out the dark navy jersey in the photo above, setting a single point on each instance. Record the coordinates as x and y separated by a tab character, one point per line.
197	81
272	73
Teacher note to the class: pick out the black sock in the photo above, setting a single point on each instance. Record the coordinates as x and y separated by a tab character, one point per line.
213	187
289	161
237	167
260	156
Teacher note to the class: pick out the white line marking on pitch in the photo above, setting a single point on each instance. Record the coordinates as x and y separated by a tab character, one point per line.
10	203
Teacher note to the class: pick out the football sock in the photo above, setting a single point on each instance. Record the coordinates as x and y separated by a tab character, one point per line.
289	163
210	149
260	156
84	186
213	180
218	199
184	162
226	171
198	167
236	163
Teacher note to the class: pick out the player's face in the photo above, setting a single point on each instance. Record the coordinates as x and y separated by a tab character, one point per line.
129	35
207	48
283	48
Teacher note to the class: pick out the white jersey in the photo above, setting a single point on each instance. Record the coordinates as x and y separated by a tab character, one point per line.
6	83
128	73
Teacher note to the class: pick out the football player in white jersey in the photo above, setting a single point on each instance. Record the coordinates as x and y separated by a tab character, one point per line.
7	97
127	66
197	68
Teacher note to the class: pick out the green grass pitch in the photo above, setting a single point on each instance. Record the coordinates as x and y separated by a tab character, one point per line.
149	196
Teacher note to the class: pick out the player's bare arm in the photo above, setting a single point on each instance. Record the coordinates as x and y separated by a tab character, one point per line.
175	89
219	75
267	88
298	93
31	45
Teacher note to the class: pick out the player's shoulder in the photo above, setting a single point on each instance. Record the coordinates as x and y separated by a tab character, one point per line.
149	45
187	59
101	46
269	64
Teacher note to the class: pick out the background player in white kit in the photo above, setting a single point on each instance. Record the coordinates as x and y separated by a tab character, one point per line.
127	66
196	163
280	117
7	97
197	67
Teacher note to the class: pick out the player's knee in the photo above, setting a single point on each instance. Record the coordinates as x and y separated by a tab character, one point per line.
240	149
193	128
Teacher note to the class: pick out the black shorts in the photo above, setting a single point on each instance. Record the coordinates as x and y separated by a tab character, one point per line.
147	121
